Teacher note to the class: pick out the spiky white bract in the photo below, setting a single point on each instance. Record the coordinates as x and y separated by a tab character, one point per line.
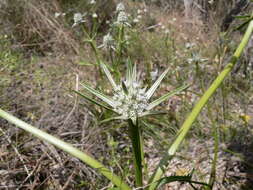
129	99
120	7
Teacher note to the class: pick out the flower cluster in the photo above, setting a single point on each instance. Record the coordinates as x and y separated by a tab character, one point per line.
120	8
78	18
131	103
108	41
129	100
122	18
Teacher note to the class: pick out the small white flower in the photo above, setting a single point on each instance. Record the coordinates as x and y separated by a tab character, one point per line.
120	8
189	45
154	74
122	18
139	16
92	2
56	15
145	10
167	31
94	15
78	18
136	20
108	41
139	11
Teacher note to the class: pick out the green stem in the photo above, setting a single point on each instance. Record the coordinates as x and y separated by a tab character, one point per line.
67	148
135	135
201	103
215	158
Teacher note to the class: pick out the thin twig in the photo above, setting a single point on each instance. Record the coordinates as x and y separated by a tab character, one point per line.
16	151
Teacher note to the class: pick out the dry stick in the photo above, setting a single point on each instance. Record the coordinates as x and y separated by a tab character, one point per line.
17	152
68	181
75	103
32	172
199	106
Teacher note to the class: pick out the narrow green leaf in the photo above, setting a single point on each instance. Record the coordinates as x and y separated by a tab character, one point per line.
129	72
166	96
242	16
85	63
100	95
151	91
170	179
243	24
109	76
134	73
111	119
149	113
92	100
124	87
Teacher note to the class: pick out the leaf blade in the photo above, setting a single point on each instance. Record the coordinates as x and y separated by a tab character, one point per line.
109	76
100	95
151	91
166	96
92	100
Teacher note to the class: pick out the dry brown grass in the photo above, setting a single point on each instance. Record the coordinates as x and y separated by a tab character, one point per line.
34	26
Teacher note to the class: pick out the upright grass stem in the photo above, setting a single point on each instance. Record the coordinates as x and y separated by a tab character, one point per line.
135	135
200	104
67	148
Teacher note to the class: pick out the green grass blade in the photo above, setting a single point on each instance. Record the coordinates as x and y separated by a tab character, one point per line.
171	179
92	100
67	148
166	96
109	76
151	91
201	103
149	113
111	119
129	74
100	95
134	73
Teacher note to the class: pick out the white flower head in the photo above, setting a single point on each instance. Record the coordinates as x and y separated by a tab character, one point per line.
108	41
56	15
78	18
136	20
92	2
167	31
94	15
122	18
120	8
129	100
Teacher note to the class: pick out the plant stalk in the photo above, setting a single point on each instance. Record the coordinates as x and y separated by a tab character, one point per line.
136	138
67	148
201	103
